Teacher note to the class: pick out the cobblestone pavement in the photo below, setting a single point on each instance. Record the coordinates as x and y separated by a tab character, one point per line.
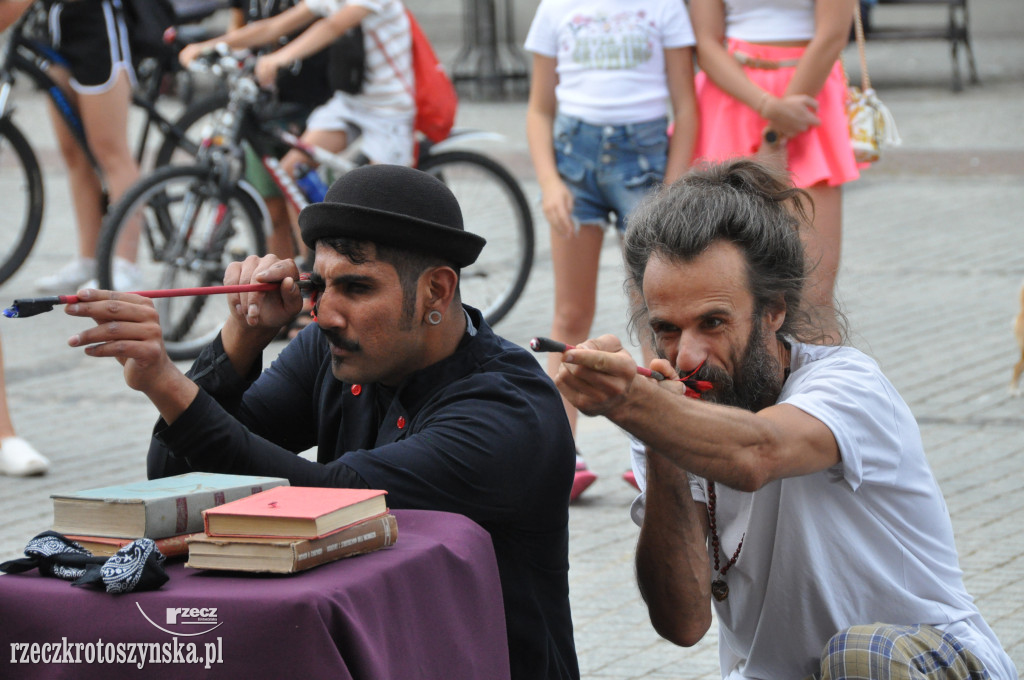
930	280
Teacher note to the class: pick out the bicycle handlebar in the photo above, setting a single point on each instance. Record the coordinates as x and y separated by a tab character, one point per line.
222	61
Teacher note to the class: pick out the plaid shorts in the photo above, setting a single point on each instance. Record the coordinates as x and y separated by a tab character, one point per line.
880	650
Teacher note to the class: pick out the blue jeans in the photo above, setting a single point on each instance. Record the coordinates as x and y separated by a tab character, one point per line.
609	168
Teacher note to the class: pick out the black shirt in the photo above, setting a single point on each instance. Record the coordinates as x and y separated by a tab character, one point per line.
482	433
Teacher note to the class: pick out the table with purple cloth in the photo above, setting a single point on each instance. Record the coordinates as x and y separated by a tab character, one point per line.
428	607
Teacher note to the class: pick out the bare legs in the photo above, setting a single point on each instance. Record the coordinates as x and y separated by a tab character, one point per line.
17	457
105	118
285	236
6	426
285	241
823	242
282	240
576	260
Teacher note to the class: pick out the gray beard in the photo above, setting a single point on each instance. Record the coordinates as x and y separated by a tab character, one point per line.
756	384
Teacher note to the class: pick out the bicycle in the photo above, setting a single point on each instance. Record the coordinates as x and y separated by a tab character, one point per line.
25	53
196	219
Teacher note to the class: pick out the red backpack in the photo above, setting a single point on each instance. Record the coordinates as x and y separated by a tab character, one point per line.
434	93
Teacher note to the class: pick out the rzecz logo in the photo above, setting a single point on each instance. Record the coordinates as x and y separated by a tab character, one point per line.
184	619
191	615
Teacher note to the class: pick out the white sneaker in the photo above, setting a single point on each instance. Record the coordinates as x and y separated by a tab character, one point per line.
126	276
70	277
19	459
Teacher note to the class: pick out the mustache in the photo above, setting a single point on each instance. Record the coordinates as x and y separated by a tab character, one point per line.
723	390
340	342
713	374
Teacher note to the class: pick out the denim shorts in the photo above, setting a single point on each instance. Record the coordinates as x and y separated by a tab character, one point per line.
609	168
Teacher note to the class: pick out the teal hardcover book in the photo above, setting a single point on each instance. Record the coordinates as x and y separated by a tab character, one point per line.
153	508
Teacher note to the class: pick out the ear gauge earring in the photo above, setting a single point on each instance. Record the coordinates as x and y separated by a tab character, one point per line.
434	317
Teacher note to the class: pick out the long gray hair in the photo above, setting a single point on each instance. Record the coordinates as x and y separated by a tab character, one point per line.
742	201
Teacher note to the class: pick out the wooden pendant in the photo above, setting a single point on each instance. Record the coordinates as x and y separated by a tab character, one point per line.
720	589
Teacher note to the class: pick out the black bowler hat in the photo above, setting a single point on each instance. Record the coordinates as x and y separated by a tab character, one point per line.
392	205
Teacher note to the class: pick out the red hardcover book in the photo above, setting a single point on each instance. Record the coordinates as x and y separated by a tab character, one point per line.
294	511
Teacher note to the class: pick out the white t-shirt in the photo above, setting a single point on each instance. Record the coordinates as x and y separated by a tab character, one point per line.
386	87
769	20
610	54
868	540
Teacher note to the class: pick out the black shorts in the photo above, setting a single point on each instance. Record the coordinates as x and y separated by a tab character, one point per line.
91	35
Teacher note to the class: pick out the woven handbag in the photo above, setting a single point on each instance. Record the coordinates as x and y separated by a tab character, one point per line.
872	127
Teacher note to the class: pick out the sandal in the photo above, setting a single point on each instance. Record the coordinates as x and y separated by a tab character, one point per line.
582	479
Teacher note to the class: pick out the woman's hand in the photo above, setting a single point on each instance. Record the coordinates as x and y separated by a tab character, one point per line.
792	114
557	204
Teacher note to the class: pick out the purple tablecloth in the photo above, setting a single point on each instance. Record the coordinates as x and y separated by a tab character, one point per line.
428	607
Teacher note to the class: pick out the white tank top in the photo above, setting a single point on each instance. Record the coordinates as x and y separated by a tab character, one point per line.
769	20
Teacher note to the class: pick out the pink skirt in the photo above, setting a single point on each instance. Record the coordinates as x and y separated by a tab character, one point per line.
729	128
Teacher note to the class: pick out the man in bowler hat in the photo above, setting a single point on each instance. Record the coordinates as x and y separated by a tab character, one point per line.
398	385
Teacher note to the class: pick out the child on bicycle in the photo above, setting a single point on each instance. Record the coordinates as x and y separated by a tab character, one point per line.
381	113
603	71
300	89
95	70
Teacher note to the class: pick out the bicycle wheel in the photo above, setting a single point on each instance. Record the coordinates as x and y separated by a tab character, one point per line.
21	185
187	229
493	206
181	149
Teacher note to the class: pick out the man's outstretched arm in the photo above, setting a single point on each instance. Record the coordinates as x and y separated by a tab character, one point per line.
739	448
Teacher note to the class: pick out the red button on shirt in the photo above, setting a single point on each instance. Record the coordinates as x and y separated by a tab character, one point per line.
356	389
401	422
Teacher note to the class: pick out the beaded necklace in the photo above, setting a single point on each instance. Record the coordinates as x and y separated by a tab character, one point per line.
719	588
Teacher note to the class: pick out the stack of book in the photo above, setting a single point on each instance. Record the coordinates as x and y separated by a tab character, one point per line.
166	510
289	529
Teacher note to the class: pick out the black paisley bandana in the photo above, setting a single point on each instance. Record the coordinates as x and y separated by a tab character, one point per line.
136	566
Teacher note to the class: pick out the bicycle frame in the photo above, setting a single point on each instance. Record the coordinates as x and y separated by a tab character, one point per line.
340	163
344	161
221	146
